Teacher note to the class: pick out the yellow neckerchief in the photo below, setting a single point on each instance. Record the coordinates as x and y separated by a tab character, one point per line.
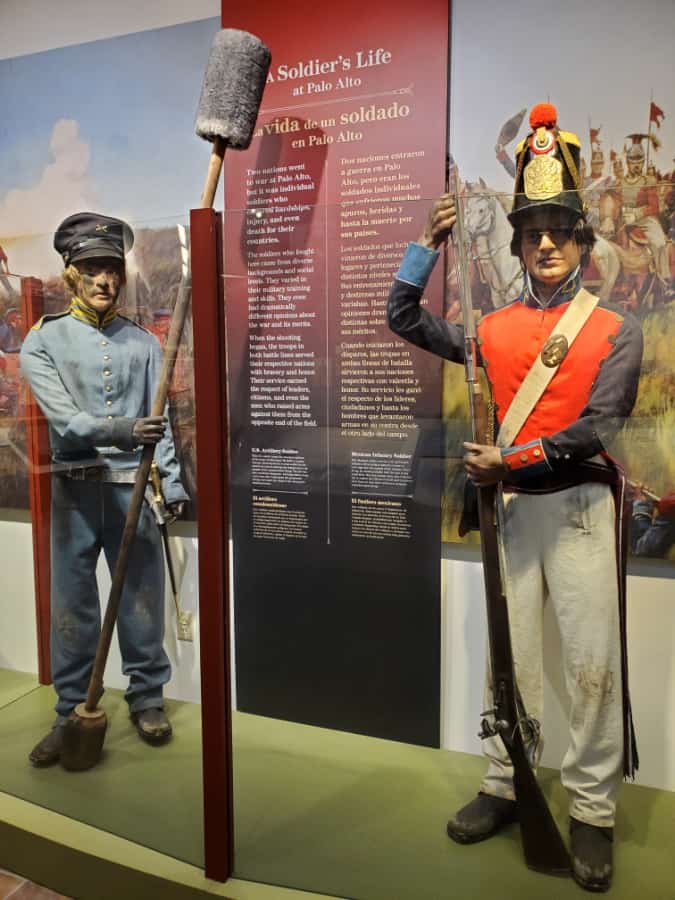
82	311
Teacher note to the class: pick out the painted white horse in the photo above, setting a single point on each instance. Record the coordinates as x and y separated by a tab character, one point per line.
490	233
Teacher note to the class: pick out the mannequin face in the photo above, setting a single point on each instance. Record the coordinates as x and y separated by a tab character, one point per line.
547	247
101	279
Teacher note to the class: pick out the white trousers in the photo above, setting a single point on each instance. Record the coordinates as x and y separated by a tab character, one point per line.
561	548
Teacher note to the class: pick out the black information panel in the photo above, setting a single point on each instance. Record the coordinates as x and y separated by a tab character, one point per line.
335	434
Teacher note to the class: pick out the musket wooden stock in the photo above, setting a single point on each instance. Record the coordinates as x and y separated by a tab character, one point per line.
542	844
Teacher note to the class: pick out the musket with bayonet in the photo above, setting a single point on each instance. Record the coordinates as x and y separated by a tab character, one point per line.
543	846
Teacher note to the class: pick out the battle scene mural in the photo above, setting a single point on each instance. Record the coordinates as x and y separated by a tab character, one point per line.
54	160
629	192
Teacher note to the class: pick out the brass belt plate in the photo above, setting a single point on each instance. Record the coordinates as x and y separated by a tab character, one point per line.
554	350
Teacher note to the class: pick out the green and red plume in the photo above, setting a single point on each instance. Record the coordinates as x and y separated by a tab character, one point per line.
543	115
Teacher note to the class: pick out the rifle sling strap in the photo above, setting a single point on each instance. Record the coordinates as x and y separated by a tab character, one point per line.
537	379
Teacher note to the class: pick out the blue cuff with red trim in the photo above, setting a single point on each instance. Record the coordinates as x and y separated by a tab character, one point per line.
526	461
417	265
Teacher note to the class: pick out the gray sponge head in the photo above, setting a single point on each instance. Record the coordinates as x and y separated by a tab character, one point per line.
233	86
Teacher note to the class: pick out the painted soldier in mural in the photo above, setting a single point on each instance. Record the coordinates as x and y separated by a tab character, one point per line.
597	183
617	167
6	292
640	210
561	492
11	331
94	374
653	525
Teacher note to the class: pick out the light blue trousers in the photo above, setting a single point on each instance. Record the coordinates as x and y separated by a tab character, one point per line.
87	517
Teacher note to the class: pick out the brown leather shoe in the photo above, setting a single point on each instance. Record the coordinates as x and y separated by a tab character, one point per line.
481	818
48	750
152	725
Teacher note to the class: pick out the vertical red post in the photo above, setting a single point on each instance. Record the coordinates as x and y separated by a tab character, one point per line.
40	490
213	532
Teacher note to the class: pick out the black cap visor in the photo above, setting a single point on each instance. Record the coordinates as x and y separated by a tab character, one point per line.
567	206
96	248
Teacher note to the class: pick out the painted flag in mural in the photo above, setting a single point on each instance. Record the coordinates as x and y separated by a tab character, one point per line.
656	114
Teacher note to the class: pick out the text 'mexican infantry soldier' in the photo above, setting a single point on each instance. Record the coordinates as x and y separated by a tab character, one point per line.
561	493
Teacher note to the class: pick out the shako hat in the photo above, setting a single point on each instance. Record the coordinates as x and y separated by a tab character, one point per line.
87	235
547	167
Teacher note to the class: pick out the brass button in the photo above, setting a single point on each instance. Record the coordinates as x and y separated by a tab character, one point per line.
523	457
108	388
537	453
108	402
104	343
106	358
110	417
107	372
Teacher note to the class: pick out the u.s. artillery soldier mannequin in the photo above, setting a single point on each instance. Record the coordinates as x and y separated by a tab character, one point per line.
94	374
559	521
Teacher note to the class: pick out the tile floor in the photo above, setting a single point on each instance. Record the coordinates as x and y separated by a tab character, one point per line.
18	888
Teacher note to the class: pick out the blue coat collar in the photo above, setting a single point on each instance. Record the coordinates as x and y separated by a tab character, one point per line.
565	291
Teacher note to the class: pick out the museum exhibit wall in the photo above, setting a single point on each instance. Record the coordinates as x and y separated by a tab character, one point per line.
30	26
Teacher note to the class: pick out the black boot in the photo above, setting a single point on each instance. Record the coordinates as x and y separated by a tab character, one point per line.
152	725
481	818
591	848
48	750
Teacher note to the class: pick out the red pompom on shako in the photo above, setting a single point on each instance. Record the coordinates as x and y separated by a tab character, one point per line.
543	115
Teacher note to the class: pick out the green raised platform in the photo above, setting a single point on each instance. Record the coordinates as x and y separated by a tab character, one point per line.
315	810
149	795
14	685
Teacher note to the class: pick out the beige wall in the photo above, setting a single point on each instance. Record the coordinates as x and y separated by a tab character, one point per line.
30	26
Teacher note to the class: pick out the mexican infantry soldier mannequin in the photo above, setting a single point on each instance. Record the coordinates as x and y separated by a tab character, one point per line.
94	374
559	537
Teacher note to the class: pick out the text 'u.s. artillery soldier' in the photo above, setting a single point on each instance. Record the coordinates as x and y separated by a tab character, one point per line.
94	374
